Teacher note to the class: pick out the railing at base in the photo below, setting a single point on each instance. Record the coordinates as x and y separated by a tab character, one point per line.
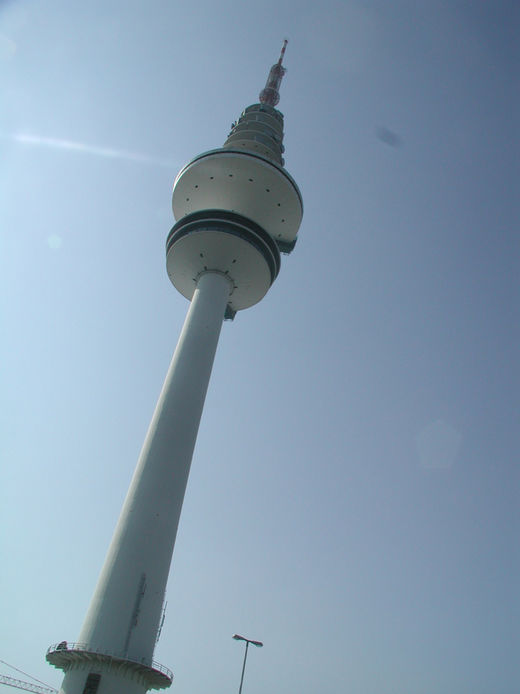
69	647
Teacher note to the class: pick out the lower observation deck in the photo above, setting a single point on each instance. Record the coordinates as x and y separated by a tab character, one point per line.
65	655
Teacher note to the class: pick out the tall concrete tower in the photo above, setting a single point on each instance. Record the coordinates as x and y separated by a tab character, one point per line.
236	208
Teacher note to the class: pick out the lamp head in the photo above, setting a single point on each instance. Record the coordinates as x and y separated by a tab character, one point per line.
237	637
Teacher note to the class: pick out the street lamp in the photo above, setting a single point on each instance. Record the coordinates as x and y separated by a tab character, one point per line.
237	637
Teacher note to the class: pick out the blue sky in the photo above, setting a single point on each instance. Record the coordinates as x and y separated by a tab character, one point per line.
353	500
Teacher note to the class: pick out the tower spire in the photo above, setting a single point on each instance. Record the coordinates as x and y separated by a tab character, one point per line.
270	94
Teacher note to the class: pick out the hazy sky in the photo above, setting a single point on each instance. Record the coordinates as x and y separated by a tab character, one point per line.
354	493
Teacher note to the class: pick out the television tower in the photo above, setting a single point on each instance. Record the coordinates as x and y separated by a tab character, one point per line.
236	208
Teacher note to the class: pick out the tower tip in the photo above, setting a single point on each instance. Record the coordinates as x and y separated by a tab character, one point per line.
270	94
282	53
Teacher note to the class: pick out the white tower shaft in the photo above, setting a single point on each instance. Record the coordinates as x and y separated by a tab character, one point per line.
125	610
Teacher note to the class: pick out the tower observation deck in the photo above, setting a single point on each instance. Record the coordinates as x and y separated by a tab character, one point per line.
245	206
236	210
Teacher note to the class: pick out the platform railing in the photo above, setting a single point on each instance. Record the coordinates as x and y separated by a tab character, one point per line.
66	646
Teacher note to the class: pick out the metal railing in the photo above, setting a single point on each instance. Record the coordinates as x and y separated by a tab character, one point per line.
65	647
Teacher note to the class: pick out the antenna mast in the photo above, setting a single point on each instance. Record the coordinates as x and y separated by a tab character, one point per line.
270	94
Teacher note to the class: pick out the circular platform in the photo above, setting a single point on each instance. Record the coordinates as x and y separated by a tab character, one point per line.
225	242
65	655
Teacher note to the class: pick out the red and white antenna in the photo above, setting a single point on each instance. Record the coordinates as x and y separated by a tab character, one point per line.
270	94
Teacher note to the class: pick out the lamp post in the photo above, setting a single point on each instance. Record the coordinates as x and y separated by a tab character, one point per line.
259	644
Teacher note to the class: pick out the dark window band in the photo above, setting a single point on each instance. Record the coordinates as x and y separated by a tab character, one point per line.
230	223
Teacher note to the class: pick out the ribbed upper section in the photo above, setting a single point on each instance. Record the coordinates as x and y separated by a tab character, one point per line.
259	129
